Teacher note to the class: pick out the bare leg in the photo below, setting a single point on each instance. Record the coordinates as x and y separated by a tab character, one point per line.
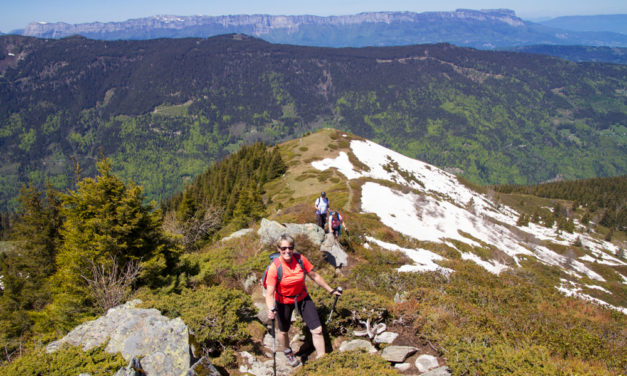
318	341
283	338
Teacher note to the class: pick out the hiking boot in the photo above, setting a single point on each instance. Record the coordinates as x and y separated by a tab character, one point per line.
291	359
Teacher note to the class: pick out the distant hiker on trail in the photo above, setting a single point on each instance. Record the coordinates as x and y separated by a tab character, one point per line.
322	208
291	293
336	222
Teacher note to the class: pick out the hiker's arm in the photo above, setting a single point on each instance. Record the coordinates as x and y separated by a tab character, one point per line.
270	301
322	283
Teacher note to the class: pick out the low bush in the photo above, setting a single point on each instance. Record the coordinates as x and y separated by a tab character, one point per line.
349	363
69	360
218	316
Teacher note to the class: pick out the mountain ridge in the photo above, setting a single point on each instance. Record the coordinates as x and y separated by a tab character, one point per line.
171	105
487	29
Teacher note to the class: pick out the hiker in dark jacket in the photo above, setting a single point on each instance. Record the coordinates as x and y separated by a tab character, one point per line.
322	208
291	293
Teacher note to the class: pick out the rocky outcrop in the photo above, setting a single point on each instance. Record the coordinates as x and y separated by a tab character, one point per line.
161	344
270	231
334	252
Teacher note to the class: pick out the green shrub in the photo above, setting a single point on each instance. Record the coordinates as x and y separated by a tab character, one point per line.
69	360
501	359
218	316
354	305
349	363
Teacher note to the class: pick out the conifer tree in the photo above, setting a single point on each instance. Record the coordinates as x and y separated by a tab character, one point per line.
25	269
106	219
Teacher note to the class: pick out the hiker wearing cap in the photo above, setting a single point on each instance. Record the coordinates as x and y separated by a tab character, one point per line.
336	223
291	293
322	208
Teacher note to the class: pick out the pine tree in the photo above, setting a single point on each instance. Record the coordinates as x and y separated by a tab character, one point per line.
25	270
105	220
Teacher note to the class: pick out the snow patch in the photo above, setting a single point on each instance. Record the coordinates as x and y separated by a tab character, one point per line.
493	267
570	288
341	163
422	258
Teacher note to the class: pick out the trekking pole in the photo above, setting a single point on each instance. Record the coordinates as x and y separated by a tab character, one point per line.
274	343
333	307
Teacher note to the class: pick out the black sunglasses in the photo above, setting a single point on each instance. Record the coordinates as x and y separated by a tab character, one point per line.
291	248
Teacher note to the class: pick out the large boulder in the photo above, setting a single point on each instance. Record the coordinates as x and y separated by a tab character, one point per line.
270	231
333	251
161	343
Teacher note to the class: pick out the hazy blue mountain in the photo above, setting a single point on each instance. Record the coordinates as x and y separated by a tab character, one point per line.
616	23
616	55
485	29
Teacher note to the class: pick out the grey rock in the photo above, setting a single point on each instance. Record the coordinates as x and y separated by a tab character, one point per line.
357	344
269	231
264	367
333	251
203	367
238	234
262	312
385	337
250	281
426	362
397	354
161	343
440	371
402	366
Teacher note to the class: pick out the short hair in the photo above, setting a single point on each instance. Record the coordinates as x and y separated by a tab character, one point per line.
285	237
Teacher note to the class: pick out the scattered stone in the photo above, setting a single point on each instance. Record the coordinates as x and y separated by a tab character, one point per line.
400	297
402	366
250	281
397	354
203	367
238	234
161	344
357	344
441	371
426	362
254	366
262	312
385	337
333	251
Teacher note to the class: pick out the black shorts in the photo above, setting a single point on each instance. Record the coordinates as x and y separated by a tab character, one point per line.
307	310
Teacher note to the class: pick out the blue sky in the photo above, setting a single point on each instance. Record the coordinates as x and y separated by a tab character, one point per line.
15	14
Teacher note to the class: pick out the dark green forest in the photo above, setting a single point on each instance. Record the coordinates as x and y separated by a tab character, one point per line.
163	110
605	196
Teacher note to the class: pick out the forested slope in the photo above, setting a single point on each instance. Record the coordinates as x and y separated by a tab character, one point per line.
164	109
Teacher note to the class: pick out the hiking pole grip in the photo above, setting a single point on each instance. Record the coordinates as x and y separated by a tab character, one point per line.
333	307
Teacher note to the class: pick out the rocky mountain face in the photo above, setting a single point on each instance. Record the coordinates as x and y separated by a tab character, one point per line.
474	28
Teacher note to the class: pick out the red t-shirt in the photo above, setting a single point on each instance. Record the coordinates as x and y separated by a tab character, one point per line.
292	282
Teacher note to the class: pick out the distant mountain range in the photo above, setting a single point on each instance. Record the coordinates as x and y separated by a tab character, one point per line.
484	29
615	23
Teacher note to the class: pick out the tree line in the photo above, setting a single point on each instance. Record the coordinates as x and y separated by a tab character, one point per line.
605	196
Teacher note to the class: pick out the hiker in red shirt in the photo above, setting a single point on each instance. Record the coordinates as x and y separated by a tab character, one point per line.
291	293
